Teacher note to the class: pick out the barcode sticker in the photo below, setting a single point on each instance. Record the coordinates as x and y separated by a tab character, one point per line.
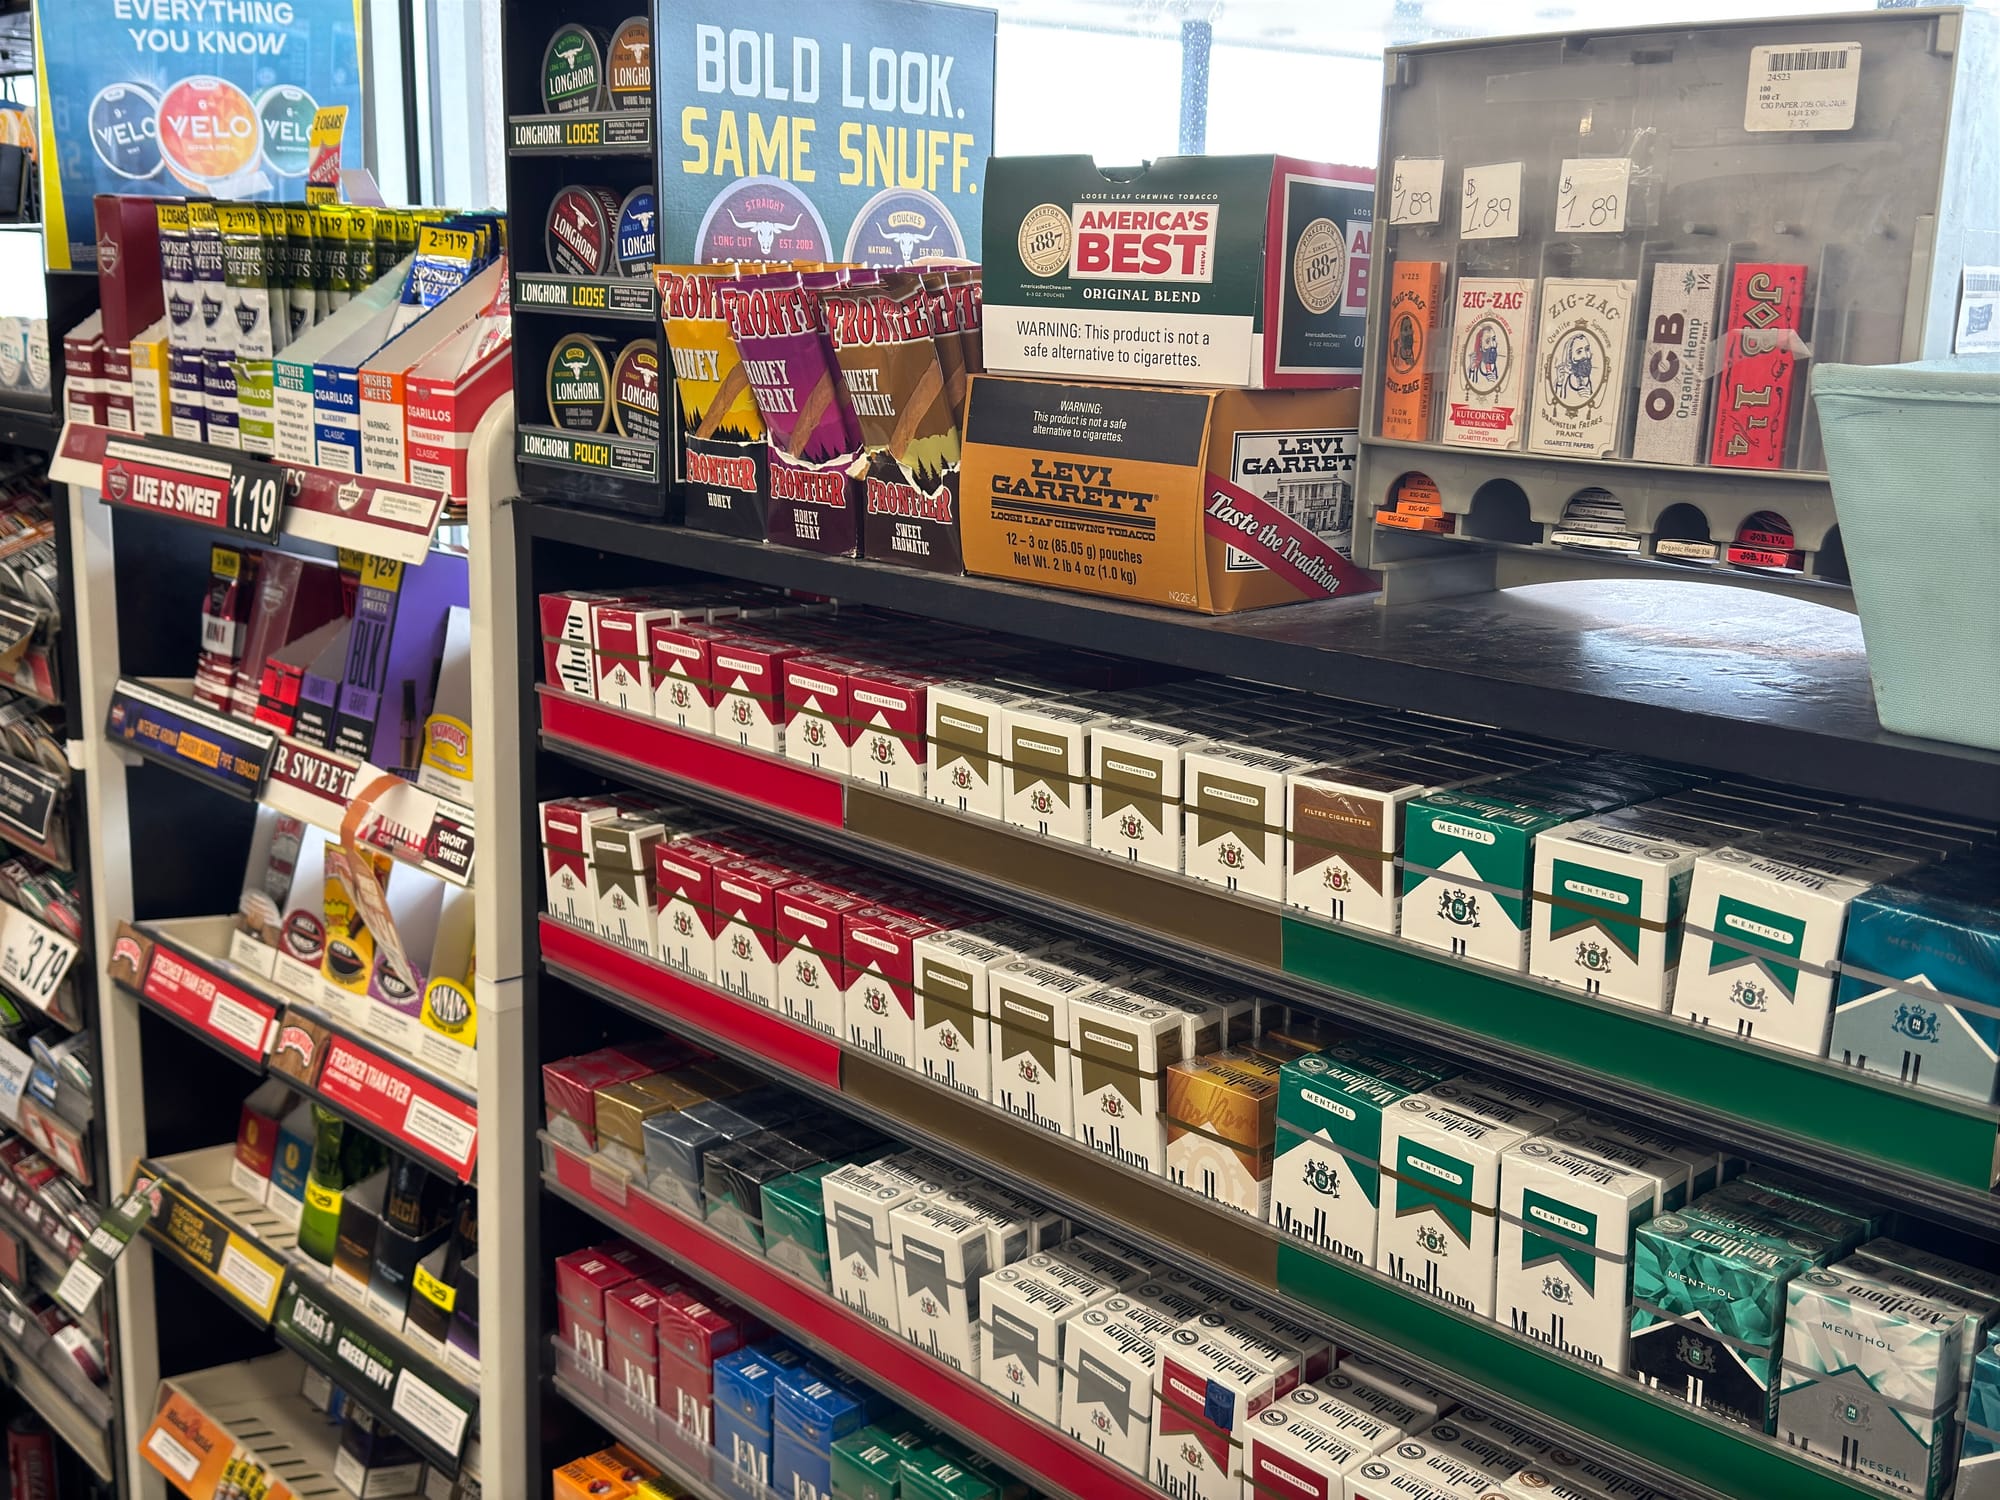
1805	86
1979	312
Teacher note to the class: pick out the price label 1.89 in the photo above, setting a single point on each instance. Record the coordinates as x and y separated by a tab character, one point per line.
1591	194
1489	202
1416	190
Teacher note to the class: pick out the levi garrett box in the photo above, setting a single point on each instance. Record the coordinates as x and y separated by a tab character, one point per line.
1201	499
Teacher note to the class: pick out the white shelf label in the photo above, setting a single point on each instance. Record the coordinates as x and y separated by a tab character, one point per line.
425	1409
168	1450
446	1134
1803	86
1416	190
33	958
252	1281
1591	194
1489	202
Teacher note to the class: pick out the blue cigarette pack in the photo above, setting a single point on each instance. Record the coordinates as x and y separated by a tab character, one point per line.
814	1406
745	1383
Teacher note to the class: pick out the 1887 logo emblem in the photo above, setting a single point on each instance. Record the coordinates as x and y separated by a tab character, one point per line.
1460	908
1044	240
1319	266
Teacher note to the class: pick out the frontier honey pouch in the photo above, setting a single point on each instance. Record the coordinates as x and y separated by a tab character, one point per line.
723	452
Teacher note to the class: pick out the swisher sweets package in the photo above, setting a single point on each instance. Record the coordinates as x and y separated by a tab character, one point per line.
723	454
886	341
779	324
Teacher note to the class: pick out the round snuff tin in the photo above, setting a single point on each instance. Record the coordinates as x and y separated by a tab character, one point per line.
579	385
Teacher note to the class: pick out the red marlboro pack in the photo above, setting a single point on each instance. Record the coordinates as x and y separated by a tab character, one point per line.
584	1278
621	644
681	666
684	893
748	682
746	929
1753	401
566	857
694	1334
569	1092
568	661
819	716
889	709
812	952
882	992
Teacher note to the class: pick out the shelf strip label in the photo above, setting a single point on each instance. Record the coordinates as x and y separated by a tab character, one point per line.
424	1117
209	746
237	1268
239	1020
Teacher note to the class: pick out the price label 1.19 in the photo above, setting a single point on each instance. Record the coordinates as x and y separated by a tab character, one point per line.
1592	193
1416	190
1489	202
255	496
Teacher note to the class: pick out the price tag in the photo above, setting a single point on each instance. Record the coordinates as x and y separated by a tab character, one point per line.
194	482
1803	86
609	1182
33	958
1591	194
1416	190
1489	203
78	1286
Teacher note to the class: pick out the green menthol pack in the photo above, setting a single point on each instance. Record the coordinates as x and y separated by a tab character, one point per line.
1467	862
1844	1231
1708	1314
1791	1185
1870	1380
1326	1182
868	1465
1978	1313
795	1224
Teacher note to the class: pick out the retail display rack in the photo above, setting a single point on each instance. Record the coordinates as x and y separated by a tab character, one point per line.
1528	665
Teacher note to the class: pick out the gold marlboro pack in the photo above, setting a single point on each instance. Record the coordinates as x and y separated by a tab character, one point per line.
1221	1128
1491	349
1678	340
1579	374
968	746
1135	772
1031	1030
954	970
1121	1047
621	871
1048	768
1236	797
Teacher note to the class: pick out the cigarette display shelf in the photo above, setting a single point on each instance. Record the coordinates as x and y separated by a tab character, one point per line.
253	1407
29	426
52	1251
1742	684
696	1467
1666	1444
179	969
237	1248
78	1412
1035	1450
1929	1150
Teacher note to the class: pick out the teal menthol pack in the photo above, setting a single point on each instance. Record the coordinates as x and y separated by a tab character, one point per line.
1327	1179
1845	1229
1870	1379
1919	992
1979	1457
1708	1313
1565	1253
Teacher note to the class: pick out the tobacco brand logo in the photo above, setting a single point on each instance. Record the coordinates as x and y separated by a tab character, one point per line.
1695	1354
807	973
1593	957
1433	1240
679	695
740	945
1231	854
1041	801
961	776
1029	1071
875	1002
928	1306
683	924
1191	1455
1854	1413
740	711
1321	1177
1557	1290
1917	1022
948	1039
1100	1420
881	750
1749	994
814	733
1130	826
1114	1106
1460	908
1337	878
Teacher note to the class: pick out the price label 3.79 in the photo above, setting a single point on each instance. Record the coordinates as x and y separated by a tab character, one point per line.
33	958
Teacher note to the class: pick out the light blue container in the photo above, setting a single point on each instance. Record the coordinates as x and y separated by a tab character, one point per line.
1913	452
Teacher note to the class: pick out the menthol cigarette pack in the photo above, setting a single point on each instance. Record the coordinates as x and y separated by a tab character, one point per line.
1708	1314
1120	1049
1670	1173
968	746
1498	1099
1565	1271
1024	1309
1438	1229
1235	795
954	971
1978	1314
1943	1268
1920	980
1048	768
1979	1457
1870	1380
1135	772
1031	1030
1327	1179
1765	921
1110	1352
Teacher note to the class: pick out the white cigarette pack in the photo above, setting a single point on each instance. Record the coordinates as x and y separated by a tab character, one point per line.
968	746
940	1250
859	1203
1024	1310
1121	1046
1110	1352
1135	770
953	975
1048	768
1030	1033
1235	795
1443	1235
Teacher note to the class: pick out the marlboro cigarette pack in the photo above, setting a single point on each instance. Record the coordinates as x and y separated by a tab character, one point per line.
1565	1270
953	974
812	957
1209	1393
1235	795
748	684
819	714
1331	1410
746	929
1416	295
859	1203
685	920
939	1245
1135	772
889	710
621	646
1675	353
1344	828
1024	1310
1031	1029
1221	1126
881	1009
1110	1353
621	873
1435	1467
1121	1048
1487	366
1048	768
968	745
1405	1389
683	673
1327	1179
1579	381
1670	1174
1291	1454
1760	350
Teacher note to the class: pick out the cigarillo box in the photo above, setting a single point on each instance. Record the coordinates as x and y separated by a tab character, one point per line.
584	1278
1024	1310
1327	1179
1135	771
1206	1402
1110	1355
621	877
1120	1049
1047	748
1565	1268
1221	1128
569	1092
693	1334
812	957
952	972
747	679
1031	1031
1289	1453
891	711
1870	1380
1441	1237
819	712
685	921
882	981
859	1201
746	929
968	746
939	1246
1235	797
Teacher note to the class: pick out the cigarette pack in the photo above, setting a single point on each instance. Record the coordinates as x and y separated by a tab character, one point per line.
1404	1389
624	1108
1214	1016
1291	1454
1048	761
734	1174
1221	1128
953	971
584	1279
795	1224
940	1248
1208	1396
621	646
680	662
746	929
1920	983
1330	1409
1579	390
693	1335
1440	1467
1121	1048
859	1202
621	878
1491	344
1870	1379
868	1465
1344	829
1969	1279
1565	1268
685	919
1135	772
1235	795
1024	1311
1378	1402
890	711
1760	347
745	1385
747	678
1110	1352
819	712
1671	1174
1327	1179
882	981
678	1142
632	1339
1674	362
1416	296
1979	1456
1031	1030
1442	1238
812	959
811	1409
968	746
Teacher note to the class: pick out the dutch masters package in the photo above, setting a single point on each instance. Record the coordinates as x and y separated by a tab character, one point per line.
1210	500
1215	270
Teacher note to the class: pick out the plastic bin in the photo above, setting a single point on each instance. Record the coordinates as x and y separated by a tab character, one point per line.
1913	452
